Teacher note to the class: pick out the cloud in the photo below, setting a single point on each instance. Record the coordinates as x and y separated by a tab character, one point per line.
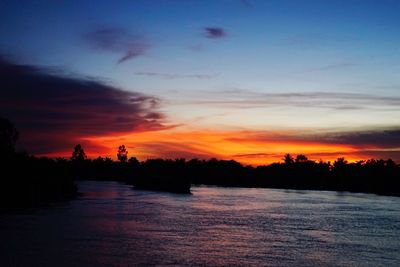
170	76
117	40
361	139
383	138
254	147
53	111
214	32
354	145
259	147
328	100
254	155
174	149
333	67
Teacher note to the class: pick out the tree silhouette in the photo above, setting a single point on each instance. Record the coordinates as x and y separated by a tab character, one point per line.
288	159
301	158
78	154
122	153
8	137
340	163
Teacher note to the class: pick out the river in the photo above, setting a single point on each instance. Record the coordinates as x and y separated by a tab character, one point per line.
113	225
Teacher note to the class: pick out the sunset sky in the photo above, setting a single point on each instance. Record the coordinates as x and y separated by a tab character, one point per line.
245	80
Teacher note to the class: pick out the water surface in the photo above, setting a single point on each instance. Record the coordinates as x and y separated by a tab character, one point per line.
113	225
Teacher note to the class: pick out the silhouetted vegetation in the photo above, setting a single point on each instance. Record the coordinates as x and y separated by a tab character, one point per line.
371	176
8	138
29	179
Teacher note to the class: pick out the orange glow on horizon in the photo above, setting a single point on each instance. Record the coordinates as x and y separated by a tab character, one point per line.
242	146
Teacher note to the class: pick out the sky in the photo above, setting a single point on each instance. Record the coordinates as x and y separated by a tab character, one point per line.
246	80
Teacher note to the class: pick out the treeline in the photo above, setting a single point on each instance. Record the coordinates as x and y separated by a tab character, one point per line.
370	176
29	179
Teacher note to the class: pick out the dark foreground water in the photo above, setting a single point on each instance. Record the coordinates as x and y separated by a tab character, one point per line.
113	225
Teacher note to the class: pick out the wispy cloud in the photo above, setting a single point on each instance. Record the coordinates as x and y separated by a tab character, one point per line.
333	67
52	110
329	100
214	32
170	76
117	40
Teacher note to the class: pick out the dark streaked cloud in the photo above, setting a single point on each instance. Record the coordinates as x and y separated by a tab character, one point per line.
214	32
253	155
379	154
383	138
53	111
117	40
170	76
388	138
